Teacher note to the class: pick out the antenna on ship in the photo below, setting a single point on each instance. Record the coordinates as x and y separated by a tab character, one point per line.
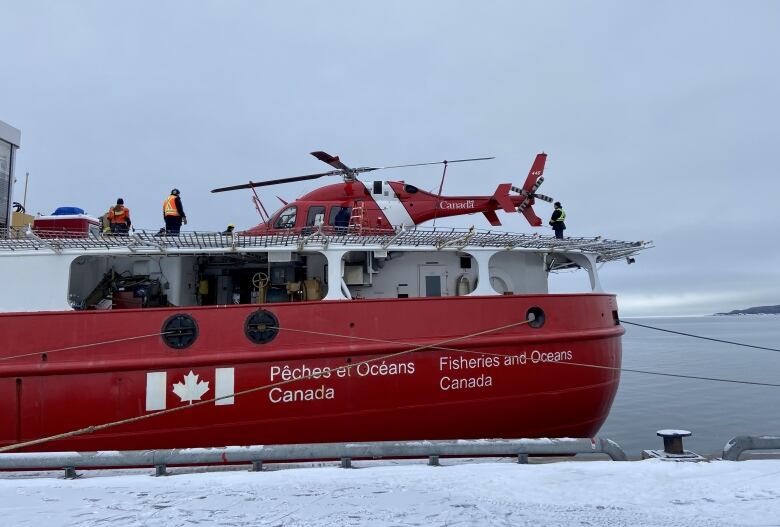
24	197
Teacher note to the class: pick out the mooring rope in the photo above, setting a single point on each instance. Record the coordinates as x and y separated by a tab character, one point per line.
630	370
503	355
699	336
95	428
81	346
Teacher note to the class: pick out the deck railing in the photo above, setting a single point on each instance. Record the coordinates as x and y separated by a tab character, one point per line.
16	240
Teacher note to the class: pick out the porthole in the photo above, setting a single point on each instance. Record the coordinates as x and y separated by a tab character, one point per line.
261	327
535	316
180	331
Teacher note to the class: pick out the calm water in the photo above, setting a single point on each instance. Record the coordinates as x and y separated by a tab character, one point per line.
714	411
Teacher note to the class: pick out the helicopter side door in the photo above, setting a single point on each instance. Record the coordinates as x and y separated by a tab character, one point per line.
315	215
312	217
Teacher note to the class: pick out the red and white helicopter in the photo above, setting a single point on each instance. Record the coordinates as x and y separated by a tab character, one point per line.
354	207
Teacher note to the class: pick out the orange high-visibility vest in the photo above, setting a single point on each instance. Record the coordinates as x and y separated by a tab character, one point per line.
118	217
169	206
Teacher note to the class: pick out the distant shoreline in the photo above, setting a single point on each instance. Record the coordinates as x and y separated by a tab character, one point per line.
759	310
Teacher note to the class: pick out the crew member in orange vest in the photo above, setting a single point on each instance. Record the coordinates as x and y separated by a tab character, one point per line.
173	213
119	218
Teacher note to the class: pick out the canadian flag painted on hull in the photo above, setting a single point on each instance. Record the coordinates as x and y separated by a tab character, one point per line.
185	389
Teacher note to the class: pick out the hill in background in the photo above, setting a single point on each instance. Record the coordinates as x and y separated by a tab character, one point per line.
760	310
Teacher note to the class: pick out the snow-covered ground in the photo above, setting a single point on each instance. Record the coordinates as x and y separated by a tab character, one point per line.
646	493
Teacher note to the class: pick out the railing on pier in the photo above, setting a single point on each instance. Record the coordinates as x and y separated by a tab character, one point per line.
344	452
740	444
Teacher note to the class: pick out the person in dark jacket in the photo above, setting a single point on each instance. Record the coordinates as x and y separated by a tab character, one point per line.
173	213
341	220
557	220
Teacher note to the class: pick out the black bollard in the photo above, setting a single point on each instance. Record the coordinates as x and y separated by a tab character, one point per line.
673	447
673	443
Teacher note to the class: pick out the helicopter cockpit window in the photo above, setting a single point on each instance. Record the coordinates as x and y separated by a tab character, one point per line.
314	212
339	216
286	219
411	189
377	187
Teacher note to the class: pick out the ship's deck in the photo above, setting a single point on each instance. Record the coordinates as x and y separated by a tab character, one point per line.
436	238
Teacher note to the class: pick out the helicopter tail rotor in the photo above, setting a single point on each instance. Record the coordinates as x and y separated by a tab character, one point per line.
531	185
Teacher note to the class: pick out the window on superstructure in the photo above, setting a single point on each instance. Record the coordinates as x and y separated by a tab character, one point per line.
433	285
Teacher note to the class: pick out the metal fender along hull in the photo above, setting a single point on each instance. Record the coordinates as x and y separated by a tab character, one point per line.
74	369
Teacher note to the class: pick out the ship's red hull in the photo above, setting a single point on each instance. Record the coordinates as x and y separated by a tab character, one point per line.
90	367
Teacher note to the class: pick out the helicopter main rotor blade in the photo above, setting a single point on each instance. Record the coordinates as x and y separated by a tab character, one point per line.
253	184
445	162
333	161
343	170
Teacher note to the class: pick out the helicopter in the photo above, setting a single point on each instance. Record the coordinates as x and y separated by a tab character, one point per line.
355	207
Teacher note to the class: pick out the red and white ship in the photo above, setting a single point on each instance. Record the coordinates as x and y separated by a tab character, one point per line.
337	319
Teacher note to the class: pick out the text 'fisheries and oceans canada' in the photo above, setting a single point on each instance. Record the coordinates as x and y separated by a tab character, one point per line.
451	365
455	364
286	373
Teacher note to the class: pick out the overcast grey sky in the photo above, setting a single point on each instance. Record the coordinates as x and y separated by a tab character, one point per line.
660	119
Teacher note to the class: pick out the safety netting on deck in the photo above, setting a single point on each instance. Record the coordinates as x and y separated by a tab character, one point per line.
439	238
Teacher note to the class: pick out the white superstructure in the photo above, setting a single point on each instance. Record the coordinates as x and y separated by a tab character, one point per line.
42	273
